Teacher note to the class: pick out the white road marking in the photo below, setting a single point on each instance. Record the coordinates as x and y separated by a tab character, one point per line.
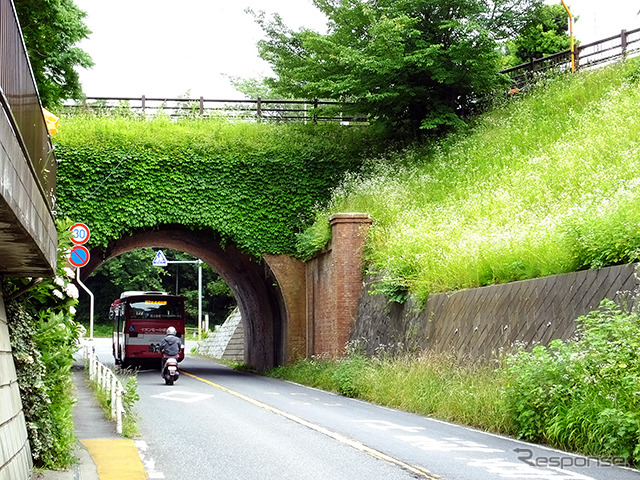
183	396
148	462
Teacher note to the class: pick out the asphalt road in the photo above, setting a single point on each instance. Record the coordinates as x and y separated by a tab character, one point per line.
216	423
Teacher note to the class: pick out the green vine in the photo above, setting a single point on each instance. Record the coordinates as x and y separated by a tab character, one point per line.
254	185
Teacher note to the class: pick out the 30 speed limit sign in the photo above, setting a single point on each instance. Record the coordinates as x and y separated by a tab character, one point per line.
80	233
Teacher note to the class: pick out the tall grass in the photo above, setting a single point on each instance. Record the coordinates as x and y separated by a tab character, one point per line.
581	395
547	183
438	385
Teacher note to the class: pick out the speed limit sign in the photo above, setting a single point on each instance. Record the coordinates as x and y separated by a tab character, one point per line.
80	233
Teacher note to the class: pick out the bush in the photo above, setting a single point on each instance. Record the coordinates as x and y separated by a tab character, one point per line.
43	339
582	394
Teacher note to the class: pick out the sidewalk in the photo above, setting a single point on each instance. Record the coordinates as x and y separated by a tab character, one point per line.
102	453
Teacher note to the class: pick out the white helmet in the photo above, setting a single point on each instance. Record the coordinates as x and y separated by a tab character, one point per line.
171	331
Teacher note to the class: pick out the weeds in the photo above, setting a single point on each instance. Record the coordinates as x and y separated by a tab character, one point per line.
130	396
581	395
547	183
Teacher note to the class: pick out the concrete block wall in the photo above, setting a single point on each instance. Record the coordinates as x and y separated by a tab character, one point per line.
482	322
15	455
227	341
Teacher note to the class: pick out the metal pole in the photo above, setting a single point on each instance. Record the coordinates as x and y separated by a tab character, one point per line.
84	287
573	48
199	299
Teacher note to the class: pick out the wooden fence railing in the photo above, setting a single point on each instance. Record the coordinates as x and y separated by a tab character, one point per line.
258	109
607	50
611	49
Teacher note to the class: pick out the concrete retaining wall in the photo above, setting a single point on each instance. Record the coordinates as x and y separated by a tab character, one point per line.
15	455
227	341
481	322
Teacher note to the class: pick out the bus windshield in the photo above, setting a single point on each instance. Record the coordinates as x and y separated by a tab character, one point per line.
142	309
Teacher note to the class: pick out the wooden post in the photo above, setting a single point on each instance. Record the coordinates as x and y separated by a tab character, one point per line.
259	108
623	43
201	106
144	101
315	110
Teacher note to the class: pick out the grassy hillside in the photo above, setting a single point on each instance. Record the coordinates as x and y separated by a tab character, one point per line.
547	182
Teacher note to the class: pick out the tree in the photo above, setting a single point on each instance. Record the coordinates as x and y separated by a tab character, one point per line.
134	271
51	29
545	33
408	64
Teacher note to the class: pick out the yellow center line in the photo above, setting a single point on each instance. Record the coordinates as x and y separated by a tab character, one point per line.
421	472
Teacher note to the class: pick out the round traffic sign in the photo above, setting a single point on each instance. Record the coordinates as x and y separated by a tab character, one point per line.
79	256
80	233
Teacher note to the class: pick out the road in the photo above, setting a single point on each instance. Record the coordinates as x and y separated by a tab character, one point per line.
216	423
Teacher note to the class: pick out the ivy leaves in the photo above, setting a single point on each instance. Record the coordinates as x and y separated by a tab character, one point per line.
255	185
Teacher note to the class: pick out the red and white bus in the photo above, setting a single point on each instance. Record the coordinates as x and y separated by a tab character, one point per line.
142	318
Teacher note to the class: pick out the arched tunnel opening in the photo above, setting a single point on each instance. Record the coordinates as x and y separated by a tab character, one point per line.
250	280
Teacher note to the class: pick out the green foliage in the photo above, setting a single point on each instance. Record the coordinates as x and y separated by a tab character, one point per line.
544	34
408	65
545	183
129	397
583	394
43	339
253	185
348	375
437	385
314	238
51	30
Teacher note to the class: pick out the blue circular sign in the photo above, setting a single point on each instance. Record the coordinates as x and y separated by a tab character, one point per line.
79	256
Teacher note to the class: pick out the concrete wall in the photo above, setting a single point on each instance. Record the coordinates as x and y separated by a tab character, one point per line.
15	455
481	322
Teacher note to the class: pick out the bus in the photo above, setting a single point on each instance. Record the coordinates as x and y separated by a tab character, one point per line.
142	318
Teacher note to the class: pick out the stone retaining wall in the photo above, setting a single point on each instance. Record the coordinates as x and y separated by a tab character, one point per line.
15	455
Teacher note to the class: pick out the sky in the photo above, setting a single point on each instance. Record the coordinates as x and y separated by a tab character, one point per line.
170	49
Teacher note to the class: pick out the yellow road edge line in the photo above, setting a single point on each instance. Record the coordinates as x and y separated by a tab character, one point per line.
422	472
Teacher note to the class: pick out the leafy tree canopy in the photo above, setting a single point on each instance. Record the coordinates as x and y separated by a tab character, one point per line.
409	64
51	29
545	33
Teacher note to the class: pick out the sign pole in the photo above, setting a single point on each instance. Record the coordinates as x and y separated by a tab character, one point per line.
161	261
84	287
199	300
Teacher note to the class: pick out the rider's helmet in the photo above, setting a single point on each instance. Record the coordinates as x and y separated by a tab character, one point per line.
171	331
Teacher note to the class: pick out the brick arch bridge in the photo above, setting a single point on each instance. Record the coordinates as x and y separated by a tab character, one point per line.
290	309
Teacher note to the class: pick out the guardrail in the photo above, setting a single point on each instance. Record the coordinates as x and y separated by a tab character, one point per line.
259	109
19	99
108	384
607	50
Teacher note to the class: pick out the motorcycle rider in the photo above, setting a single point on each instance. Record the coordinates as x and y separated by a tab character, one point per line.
170	346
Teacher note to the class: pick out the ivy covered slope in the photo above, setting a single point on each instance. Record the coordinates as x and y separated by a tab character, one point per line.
255	185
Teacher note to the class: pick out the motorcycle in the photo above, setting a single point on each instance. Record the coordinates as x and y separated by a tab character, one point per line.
170	371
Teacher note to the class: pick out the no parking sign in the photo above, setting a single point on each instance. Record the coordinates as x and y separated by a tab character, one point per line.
79	256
